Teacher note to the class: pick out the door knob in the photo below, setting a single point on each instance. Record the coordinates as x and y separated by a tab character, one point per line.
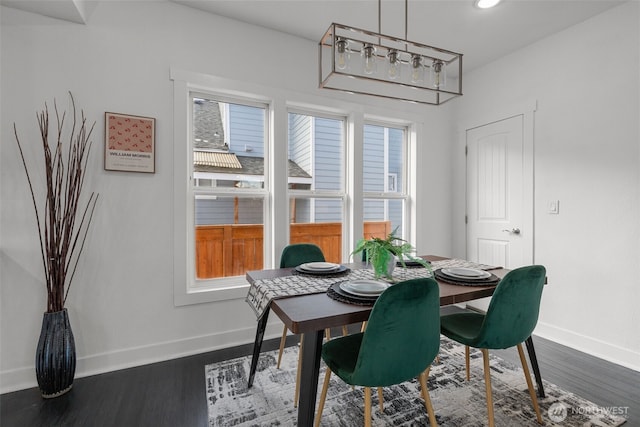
513	231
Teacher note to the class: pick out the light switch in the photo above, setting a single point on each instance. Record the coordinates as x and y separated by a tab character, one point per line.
554	207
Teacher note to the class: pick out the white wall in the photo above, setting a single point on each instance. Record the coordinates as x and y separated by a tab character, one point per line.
121	304
586	83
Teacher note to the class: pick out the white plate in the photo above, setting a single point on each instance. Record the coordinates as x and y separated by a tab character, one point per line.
366	288
466	273
319	266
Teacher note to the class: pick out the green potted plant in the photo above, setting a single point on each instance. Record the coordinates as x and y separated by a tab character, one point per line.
63	216
383	254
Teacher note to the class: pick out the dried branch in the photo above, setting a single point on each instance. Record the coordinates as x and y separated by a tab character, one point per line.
62	240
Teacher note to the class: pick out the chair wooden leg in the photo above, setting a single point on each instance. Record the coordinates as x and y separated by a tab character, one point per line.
296	393
282	341
427	399
380	399
363	327
327	334
323	397
345	331
466	361
487	384
367	407
527	376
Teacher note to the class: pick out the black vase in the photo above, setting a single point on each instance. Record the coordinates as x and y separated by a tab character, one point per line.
55	355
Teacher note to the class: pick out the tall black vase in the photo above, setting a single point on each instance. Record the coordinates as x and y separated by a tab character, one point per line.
55	355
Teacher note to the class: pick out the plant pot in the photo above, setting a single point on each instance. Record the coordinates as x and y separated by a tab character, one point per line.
387	271
391	265
55	355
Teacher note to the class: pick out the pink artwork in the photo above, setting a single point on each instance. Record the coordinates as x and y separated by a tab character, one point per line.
130	134
129	143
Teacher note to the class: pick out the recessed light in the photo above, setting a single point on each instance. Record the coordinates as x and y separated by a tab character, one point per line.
486	4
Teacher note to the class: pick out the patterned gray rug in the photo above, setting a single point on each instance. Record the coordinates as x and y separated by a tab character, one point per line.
456	402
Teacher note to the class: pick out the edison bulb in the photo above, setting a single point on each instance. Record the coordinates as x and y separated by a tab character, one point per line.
342	54
369	64
438	73
417	70
393	67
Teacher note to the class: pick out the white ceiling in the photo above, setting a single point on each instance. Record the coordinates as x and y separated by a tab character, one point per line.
481	35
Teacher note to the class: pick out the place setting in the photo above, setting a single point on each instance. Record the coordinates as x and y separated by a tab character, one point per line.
358	291
466	276
321	268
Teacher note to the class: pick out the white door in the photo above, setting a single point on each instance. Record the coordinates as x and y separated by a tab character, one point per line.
496	233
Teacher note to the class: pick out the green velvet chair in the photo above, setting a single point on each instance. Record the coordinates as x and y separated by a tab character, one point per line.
292	256
510	319
400	342
299	253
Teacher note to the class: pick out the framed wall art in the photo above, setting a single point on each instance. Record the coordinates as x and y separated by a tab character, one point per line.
129	143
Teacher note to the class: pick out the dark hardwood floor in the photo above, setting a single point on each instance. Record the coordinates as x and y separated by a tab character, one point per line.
172	393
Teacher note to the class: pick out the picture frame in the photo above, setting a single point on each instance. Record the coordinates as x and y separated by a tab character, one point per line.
129	143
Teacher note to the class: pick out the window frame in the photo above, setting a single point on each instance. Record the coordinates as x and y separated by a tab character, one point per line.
405	195
323	194
276	217
229	282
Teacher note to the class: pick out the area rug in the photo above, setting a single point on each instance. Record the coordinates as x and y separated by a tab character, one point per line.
456	402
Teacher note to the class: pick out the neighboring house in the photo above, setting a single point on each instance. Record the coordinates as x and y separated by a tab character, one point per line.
229	151
221	132
383	153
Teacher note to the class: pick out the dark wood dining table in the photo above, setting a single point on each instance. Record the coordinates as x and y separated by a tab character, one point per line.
311	314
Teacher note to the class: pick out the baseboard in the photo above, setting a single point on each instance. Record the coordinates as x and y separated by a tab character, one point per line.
600	349
23	378
597	348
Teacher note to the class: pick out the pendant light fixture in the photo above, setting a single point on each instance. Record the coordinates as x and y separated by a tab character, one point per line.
387	66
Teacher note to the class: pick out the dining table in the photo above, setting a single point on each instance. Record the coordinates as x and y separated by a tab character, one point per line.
303	304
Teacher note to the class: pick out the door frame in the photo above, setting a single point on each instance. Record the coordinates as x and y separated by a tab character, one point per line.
527	111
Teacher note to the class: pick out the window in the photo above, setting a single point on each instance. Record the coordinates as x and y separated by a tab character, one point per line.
316	181
384	165
228	145
392	179
256	171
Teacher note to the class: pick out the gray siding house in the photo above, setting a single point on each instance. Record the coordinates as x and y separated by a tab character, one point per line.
229	152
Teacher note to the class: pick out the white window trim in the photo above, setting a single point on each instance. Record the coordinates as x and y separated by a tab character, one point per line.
188	289
280	100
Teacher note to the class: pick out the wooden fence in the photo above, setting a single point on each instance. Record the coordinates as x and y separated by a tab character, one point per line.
232	249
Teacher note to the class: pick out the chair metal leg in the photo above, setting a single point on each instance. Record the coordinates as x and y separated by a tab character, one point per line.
296	394
282	341
323	397
364	326
427	399
467	361
527	376
257	344
487	384
367	407
534	365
